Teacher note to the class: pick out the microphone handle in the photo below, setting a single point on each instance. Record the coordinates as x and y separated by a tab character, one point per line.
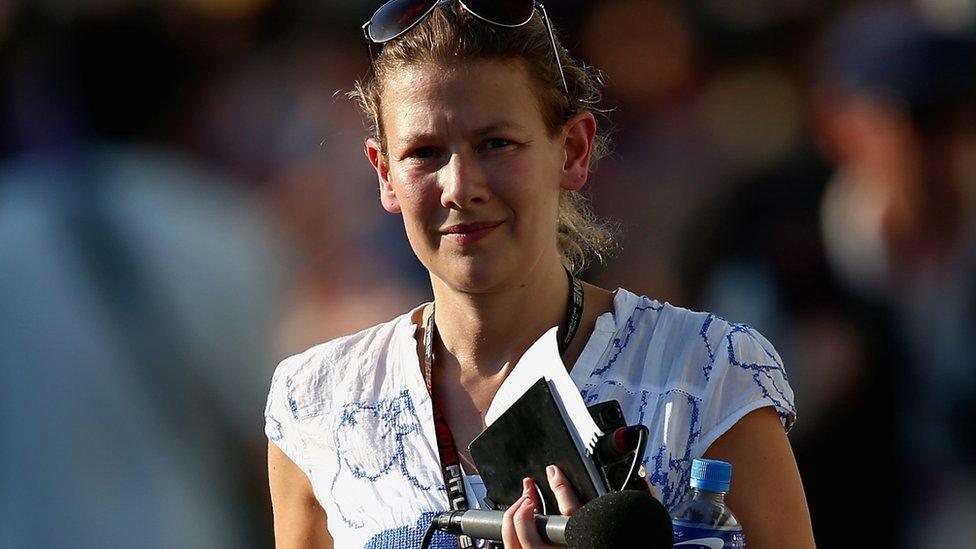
482	524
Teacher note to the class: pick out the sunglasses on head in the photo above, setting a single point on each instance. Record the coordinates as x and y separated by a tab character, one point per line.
396	17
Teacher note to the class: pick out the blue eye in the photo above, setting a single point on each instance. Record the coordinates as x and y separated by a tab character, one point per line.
497	143
423	153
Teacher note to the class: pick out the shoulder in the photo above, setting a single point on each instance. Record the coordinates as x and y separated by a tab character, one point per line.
688	375
304	382
664	324
667	345
706	345
728	367
675	336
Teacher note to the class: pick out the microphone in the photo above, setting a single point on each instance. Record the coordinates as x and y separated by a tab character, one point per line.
630	518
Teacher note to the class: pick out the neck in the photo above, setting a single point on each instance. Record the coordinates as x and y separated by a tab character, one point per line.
484	334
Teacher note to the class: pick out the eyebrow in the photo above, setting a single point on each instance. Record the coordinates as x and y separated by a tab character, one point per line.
501	126
478	132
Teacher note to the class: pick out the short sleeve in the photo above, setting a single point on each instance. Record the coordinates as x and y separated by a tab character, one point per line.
280	423
748	374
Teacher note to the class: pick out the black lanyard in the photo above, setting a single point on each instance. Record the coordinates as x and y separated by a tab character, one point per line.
450	461
574	311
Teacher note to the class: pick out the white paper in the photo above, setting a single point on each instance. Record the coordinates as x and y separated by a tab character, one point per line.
542	360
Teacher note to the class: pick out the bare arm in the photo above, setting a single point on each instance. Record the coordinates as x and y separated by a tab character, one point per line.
299	520
767	496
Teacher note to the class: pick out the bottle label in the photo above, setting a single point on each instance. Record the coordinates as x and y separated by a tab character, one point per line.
690	537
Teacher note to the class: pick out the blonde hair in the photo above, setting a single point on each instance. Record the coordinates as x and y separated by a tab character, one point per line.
450	33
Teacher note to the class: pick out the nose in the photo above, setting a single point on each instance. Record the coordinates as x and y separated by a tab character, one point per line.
463	183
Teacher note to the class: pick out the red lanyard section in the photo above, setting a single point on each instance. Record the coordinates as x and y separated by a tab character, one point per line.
450	461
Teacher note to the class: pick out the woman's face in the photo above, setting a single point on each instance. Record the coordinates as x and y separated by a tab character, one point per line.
473	171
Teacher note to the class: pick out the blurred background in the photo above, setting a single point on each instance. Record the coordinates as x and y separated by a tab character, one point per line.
184	202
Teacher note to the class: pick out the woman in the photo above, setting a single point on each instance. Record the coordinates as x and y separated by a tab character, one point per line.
482	138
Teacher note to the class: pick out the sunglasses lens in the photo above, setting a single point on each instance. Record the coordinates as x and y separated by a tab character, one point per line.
502	12
396	16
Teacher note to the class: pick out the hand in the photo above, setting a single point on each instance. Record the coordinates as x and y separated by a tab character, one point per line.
519	530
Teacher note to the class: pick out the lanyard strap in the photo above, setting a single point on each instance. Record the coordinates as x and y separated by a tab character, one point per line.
450	461
574	311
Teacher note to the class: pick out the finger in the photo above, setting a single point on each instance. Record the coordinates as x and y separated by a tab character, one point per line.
531	491
563	490
525	529
509	536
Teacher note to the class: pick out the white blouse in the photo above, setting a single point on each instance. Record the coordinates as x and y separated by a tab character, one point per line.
355	415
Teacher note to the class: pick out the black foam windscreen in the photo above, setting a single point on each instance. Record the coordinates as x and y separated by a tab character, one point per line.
631	518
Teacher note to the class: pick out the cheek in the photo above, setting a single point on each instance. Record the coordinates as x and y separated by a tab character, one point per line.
415	193
535	192
419	207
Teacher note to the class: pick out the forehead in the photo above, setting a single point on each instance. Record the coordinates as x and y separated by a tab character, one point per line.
434	97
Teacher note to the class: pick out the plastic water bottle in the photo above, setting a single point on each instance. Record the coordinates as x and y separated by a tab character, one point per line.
704	520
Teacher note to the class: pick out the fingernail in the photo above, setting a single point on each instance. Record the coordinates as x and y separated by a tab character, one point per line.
551	471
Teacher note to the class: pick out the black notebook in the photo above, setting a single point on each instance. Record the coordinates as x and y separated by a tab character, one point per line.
526	438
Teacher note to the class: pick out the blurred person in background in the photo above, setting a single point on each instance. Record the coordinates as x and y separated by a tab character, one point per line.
271	111
138	291
865	274
481	146
750	249
661	165
897	114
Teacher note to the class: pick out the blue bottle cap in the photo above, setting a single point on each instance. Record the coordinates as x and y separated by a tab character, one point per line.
711	475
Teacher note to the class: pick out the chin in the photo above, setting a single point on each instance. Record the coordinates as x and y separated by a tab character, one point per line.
476	275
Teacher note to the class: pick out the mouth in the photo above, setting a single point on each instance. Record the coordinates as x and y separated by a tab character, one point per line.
469	233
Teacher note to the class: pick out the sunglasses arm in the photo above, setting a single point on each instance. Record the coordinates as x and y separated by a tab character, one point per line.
369	41
552	39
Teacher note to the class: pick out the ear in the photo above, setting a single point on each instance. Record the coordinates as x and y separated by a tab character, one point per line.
379	160
578	135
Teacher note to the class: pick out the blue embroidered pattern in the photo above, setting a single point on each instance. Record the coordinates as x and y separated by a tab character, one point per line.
670	473
369	443
640	410
411	536
703	333
273	427
619	345
762	372
275	433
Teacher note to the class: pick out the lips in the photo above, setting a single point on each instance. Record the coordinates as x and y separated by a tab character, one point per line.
469	233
